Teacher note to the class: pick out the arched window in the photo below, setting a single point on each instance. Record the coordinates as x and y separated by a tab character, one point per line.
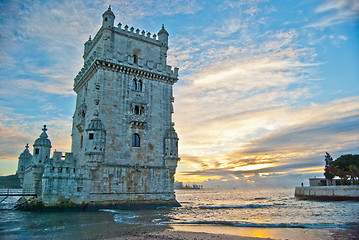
134	84
139	86
135	140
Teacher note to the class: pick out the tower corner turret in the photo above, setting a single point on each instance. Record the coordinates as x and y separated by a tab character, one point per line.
108	18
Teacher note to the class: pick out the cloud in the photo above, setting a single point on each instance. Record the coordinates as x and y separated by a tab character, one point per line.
44	44
245	105
336	12
300	135
17	129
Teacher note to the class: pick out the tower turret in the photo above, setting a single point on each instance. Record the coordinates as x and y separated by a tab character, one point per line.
87	45
163	38
42	147
95	142
108	18
24	161
163	35
171	152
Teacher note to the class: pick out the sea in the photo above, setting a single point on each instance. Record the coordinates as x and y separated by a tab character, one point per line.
268	213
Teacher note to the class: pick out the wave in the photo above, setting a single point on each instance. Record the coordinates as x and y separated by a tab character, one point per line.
109	210
271	225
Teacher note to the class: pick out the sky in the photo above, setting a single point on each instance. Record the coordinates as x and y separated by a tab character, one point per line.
265	87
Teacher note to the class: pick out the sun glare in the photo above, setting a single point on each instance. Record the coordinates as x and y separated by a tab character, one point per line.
252	167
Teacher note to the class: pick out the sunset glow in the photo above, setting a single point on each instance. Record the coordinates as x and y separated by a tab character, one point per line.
265	88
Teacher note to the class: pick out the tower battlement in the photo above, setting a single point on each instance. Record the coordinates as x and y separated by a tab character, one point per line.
129	48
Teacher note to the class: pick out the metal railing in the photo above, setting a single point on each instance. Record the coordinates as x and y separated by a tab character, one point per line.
16	192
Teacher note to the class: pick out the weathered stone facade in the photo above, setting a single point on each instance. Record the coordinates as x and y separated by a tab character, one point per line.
124	146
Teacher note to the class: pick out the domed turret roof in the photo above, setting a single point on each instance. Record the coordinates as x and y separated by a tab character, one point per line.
25	154
108	12
171	133
43	141
163	30
95	125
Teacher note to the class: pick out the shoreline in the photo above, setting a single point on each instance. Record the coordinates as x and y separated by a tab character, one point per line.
208	232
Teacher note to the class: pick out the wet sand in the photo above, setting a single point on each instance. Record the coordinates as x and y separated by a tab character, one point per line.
184	235
209	232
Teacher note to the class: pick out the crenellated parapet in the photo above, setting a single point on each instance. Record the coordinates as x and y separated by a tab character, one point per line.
138	34
110	48
60	166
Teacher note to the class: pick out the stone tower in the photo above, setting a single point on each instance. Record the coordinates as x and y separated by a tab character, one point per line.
122	126
124	145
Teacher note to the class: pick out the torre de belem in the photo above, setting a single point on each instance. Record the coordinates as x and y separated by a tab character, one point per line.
124	145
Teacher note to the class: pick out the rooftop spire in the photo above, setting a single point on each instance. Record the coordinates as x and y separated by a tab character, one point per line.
44	134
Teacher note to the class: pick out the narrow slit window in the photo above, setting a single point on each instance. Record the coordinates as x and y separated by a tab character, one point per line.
134	85
137	110
139	86
135	59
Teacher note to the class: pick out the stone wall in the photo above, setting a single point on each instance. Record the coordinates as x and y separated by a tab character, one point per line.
327	193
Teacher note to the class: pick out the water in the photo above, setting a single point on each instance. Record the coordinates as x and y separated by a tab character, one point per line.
211	210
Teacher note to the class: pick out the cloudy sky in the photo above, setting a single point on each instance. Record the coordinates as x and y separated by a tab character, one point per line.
266	87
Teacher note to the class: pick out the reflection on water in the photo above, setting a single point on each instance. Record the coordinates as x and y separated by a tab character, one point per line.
273	233
77	225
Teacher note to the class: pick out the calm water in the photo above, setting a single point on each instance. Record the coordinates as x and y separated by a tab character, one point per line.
274	209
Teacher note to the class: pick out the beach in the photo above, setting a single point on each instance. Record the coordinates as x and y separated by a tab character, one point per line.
184	235
230	233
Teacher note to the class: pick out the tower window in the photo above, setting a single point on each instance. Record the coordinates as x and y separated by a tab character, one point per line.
105	19
137	110
135	140
139	86
82	141
91	136
37	151
135	59
134	85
